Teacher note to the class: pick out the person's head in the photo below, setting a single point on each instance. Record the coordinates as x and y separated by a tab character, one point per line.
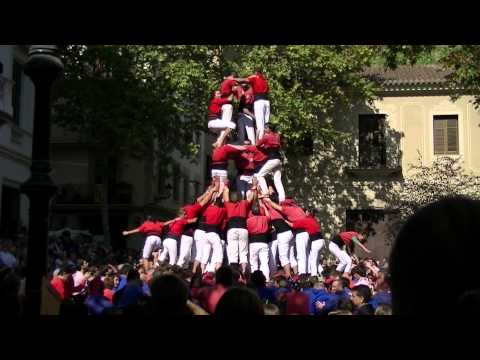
169	295
359	271
181	212
271	309
229	74
224	276
258	279
255	209
282	282
109	282
149	217
361	295
335	275
238	301
337	286
234	196
133	275
362	238
383	309
270	128
444	232
217	94
345	305
247	142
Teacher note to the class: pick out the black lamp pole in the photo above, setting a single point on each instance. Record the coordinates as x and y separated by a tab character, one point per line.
43	67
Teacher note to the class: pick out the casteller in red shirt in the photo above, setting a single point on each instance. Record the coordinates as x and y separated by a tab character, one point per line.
176	228
258	225
244	162
309	224
237	209
258	83
215	107
259	157
214	215
270	141
222	153
347	237
151	228
292	211
226	87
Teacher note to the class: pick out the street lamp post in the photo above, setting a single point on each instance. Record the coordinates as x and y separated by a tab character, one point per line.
43	67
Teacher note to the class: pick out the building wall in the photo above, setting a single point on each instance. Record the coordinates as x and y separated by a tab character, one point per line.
16	140
326	184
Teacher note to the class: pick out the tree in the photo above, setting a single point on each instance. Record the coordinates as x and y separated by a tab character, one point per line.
426	184
123	98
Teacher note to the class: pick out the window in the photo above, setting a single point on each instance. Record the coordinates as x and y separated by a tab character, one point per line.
372	149
445	134
17	90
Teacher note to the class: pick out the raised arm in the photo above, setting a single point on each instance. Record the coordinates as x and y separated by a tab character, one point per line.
357	242
267	213
130	232
207	196
241	80
273	204
226	194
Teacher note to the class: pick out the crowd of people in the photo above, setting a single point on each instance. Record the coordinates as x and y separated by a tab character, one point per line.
241	248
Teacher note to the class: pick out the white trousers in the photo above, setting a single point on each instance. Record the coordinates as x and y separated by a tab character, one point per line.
314	266
345	264
273	252
227	111
152	243
185	250
237	246
259	258
199	237
285	248
301	242
214	241
218	125
261	109
274	167
170	246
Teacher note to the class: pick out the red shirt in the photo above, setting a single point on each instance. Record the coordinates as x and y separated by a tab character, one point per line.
108	294
347	236
59	286
176	228
226	87
192	210
297	303
214	215
258	156
274	214
270	141
247	97
245	161
258	83
215	107
151	227
238	92
238	209
223	153
292	212
258	224
214	297
309	224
